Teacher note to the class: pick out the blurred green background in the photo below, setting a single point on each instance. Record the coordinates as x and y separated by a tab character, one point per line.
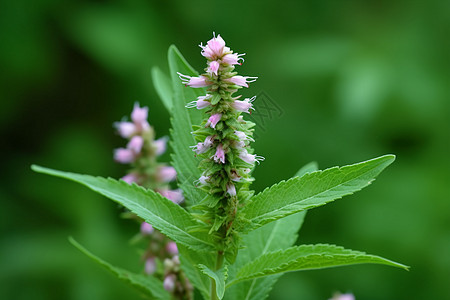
353	79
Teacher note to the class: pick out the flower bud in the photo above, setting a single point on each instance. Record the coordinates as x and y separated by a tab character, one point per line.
125	129
167	174
124	156
139	115
171	247
146	228
135	144
150	265
169	283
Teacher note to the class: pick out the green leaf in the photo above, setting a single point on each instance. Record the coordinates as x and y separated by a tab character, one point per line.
189	261
307	257
163	87
163	214
271	237
312	190
308	168
183	159
218	277
149	285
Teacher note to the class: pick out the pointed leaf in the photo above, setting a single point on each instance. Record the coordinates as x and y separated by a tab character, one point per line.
312	190
163	86
149	285
218	277
163	214
308	168
183	159
307	257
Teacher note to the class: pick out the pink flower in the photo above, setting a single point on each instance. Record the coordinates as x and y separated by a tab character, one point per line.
160	145
214	48
241	80
125	129
194	82
135	144
130	178
176	196
203	180
243	106
242	136
146	229
200	103
234	176
167	174
172	248
199	148
220	154
232	59
139	115
250	158
231	189
213	67
169	283
150	265
124	156
213	120
209	140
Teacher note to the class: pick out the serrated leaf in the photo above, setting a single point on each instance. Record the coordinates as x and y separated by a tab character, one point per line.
218	277
307	257
149	285
163	214
163	86
183	159
274	236
312	190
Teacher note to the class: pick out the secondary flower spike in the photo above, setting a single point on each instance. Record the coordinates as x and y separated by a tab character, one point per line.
223	138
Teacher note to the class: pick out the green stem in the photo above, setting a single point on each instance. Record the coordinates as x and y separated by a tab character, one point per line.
219	263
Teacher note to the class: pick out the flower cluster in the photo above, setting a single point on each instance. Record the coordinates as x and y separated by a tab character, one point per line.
161	254
223	137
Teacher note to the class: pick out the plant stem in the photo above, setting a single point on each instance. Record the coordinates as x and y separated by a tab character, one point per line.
219	263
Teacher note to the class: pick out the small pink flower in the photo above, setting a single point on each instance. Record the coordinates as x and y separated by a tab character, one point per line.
146	229
220	154
130	178
209	140
234	176
139	115
176	196
213	67
242	136
213	120
195	82
135	144
150	266
243	106
241	80
200	103
169	283
250	158
199	148
172	248
167	174
160	145
232	59
124	156
238	144
203	180
215	47
231	189
125	129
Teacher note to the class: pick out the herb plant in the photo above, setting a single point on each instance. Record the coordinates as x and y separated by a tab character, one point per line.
231	243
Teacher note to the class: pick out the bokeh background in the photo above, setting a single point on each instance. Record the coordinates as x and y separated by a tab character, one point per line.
352	79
